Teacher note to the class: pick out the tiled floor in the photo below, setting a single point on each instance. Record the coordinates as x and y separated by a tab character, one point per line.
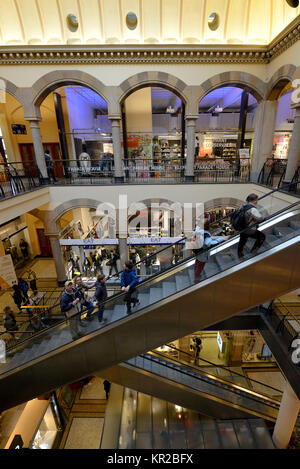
44	268
85	433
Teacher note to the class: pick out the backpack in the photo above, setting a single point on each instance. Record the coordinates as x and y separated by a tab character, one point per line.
238	218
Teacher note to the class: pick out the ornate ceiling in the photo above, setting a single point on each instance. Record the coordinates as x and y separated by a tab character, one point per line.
44	22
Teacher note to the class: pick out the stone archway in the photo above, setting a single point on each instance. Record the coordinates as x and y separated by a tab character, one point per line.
241	79
279	80
52	80
145	79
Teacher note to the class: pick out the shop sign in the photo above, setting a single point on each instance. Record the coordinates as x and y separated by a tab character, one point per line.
153	241
89	242
8	276
221	343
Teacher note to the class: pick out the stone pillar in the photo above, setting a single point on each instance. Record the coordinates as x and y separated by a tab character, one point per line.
190	148
116	138
286	419
294	151
123	248
38	149
265	122
58	259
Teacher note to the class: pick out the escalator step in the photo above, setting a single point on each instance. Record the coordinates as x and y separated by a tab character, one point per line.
168	288
156	294
295	225
182	282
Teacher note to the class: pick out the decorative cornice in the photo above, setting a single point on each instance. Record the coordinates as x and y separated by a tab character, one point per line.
146	53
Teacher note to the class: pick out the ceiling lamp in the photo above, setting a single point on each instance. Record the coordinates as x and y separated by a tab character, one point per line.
293	3
131	20
72	22
170	110
213	21
218	108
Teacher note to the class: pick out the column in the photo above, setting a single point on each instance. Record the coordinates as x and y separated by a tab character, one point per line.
265	122
39	149
58	259
190	147
116	138
123	248
286	419
294	151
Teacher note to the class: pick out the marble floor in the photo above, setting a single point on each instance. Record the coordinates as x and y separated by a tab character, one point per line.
84	433
270	378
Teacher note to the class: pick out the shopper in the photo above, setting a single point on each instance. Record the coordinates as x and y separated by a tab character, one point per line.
24	288
9	320
70	307
32	278
49	166
250	218
37	323
114	256
197	348
106	385
129	281
100	296
203	237
81	293
23	245
18	296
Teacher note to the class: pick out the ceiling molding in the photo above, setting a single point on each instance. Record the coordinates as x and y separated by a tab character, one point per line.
146	53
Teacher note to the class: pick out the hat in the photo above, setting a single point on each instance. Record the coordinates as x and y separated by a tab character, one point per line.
68	283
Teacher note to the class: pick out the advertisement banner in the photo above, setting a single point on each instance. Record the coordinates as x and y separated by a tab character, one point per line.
8	276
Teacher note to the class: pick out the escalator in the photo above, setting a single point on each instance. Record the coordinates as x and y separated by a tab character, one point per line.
172	305
213	390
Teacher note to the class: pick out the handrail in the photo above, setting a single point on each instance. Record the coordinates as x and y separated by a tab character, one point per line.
219	366
184	261
272	401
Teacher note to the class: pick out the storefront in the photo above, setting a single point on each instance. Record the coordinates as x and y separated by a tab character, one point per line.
11	235
39	426
281	144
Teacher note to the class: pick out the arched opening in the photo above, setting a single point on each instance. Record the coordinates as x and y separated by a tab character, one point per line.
224	133
88	242
16	174
76	133
153	125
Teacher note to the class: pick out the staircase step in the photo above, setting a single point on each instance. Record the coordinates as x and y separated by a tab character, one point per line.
169	288
156	294
182	282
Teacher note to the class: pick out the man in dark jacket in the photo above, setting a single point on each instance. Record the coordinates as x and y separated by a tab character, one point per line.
252	217
9	320
129	281
100	296
70	307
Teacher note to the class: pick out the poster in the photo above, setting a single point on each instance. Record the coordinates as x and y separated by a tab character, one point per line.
8	276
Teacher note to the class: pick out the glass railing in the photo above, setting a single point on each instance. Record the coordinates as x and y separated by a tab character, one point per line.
285	319
177	277
210	385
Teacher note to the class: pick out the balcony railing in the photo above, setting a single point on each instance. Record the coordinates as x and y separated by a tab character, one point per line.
19	177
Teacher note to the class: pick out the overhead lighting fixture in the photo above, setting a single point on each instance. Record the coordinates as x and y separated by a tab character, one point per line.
218	108
170	110
293	3
213	21
131	20
72	22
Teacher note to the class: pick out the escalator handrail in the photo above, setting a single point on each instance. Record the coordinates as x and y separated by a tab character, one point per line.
179	264
219	366
271	402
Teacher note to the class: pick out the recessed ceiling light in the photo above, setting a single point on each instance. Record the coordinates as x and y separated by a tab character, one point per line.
293	3
213	21
72	22
131	20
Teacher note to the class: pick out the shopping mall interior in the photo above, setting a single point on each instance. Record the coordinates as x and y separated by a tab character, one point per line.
134	131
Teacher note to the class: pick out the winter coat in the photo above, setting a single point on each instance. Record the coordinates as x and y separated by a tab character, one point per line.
66	305
129	278
100	295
